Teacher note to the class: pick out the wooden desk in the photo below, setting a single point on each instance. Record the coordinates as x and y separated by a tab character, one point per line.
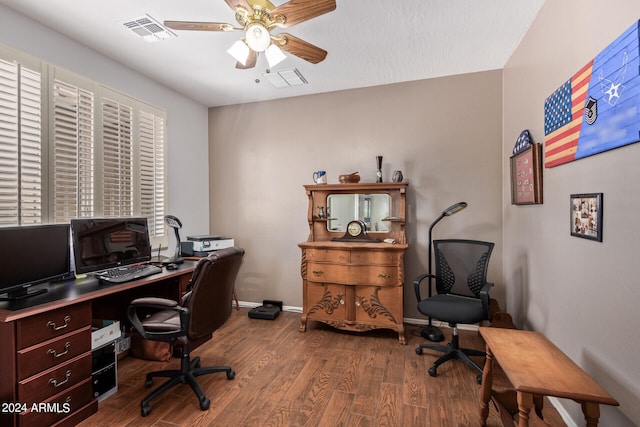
45	345
535	366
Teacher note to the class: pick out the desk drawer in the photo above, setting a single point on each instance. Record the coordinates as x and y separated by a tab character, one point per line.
42	386
59	406
44	326
353	274
50	353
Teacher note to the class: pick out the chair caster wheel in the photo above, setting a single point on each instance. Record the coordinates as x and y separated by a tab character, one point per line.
145	410
204	404
479	378
419	351
432	371
231	375
148	383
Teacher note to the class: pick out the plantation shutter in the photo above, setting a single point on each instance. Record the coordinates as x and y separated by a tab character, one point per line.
117	159
72	148
20	145
73	152
31	163
152	134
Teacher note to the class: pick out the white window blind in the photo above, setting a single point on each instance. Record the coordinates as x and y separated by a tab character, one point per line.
152	171
117	159
20	144
102	153
73	152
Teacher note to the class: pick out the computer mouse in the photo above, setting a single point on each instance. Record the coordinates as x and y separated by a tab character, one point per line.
172	266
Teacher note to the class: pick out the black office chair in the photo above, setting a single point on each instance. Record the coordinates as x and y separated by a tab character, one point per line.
205	308
462	295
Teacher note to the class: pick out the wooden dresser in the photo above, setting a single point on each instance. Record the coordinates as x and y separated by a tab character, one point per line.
355	283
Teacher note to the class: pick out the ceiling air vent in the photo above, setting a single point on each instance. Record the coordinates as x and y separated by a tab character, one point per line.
149	29
285	78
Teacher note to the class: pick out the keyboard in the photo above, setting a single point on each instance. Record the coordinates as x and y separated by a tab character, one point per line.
127	273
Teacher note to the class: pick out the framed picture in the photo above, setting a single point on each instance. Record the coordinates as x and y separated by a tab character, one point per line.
586	216
526	176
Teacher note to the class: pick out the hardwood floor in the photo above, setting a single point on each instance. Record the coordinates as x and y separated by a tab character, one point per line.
323	377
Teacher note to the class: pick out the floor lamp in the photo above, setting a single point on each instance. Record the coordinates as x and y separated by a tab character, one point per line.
430	332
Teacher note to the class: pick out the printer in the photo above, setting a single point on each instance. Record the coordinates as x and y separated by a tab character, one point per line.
202	245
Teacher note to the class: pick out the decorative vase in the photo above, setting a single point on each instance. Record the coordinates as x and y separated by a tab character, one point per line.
379	172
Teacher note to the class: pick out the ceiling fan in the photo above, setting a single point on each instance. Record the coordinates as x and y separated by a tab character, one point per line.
258	18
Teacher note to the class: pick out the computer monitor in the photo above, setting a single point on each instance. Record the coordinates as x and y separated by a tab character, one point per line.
103	243
31	255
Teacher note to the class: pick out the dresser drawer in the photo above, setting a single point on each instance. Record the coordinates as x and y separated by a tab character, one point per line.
328	255
51	324
353	274
60	406
46	384
43	356
375	257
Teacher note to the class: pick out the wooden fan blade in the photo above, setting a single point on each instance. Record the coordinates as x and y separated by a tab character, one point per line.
251	61
200	26
301	48
234	4
296	11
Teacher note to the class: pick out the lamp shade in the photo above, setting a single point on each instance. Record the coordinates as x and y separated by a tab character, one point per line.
240	52
258	37
274	55
453	209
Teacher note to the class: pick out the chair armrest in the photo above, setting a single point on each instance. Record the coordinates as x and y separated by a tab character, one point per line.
484	297
417	282
153	302
157	304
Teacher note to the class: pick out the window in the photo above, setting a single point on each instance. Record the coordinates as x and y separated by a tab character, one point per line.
71	148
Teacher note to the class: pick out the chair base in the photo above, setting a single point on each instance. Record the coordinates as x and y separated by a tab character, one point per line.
453	351
189	370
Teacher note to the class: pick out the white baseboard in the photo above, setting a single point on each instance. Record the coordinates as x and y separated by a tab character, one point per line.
563	413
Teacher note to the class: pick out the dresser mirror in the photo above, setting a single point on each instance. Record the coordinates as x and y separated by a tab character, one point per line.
372	209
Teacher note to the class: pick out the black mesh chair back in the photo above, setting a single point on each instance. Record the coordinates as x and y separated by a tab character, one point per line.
461	266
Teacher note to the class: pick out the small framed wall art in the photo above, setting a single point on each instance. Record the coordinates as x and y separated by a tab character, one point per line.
526	176
586	216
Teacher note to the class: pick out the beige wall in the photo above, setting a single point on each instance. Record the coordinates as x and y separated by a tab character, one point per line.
582	294
444	134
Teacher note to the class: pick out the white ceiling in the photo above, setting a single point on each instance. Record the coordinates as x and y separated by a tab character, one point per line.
370	42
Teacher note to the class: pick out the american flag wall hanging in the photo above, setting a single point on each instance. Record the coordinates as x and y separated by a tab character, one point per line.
598	108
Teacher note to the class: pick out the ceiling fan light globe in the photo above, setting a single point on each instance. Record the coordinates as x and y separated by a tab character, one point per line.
274	55
258	37
240	52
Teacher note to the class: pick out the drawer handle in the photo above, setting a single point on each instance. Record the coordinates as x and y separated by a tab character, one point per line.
56	384
318	272
56	354
384	276
53	326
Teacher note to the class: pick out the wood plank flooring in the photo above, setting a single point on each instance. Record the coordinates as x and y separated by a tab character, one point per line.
323	377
